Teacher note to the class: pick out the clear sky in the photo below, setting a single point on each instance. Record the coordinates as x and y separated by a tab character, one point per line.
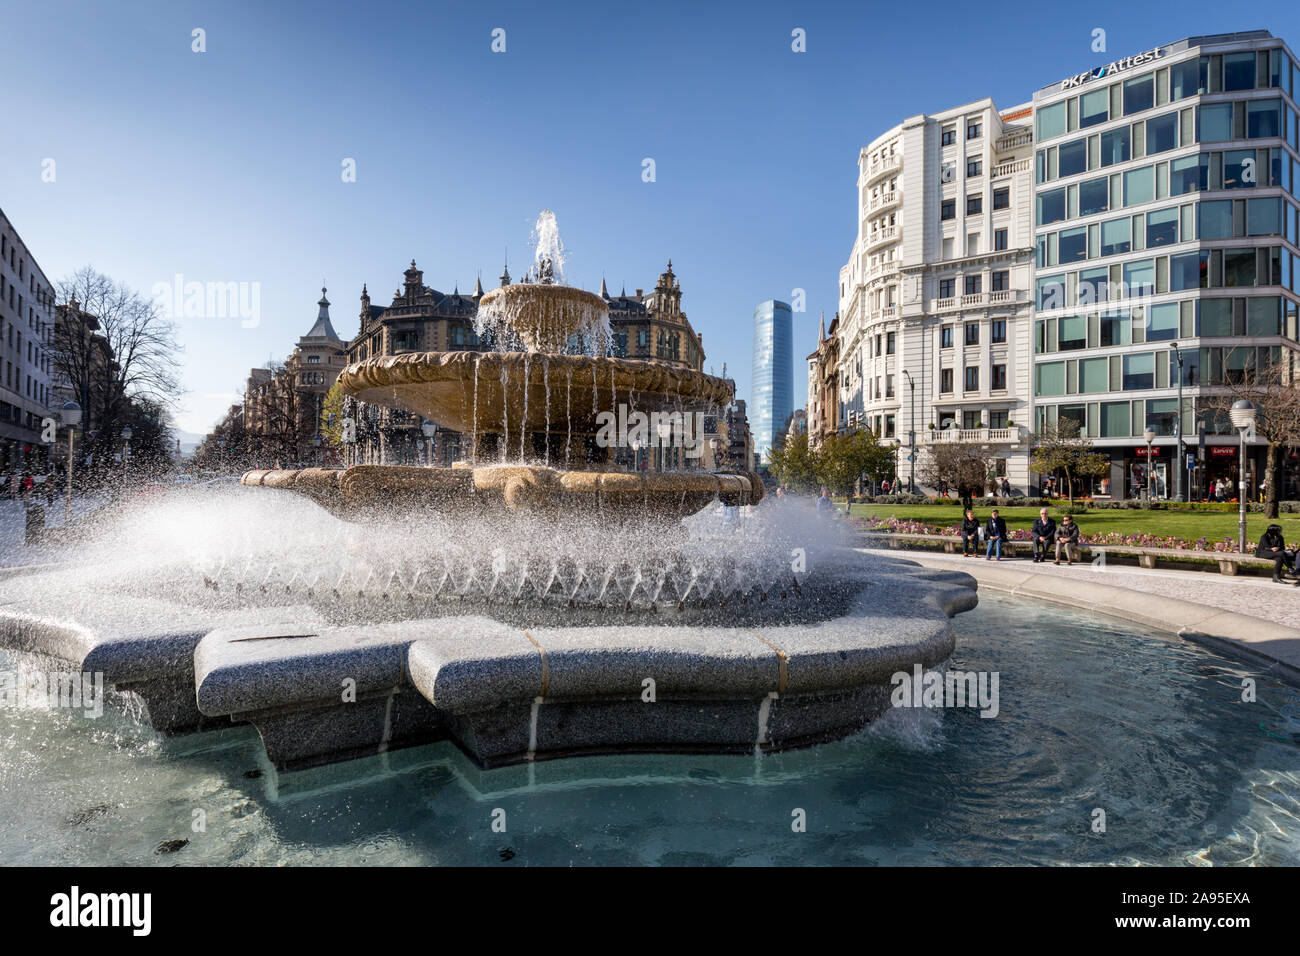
225	166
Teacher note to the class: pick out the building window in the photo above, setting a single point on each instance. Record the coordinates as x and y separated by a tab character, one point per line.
974	205
947	288
972	333
974	167
974	284
972	378
970	421
998	420
313	359
974	129
889	386
1002	198
948	209
889	344
945	337
1001	281
998	330
999	383
999	239
949	136
945	380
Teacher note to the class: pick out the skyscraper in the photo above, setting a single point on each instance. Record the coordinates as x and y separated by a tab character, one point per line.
773	388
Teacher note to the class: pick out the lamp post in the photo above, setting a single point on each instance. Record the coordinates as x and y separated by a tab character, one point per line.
911	435
1179	460
315	443
429	429
126	449
71	415
1149	435
1242	416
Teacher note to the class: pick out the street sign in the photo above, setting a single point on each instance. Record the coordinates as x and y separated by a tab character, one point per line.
911	457
1191	459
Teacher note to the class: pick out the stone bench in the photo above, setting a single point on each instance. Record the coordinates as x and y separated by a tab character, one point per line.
1229	562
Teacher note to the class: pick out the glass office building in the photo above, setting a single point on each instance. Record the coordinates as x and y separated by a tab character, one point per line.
1165	224
773	374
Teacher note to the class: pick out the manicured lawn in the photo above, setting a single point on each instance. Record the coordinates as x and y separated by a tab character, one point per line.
1189	525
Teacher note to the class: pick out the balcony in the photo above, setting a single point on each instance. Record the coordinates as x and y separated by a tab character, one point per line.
976	300
882	166
982	436
884	200
1013	140
1008	169
882	236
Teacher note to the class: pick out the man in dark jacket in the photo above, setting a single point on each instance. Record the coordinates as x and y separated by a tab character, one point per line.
1067	536
1044	530
1273	546
970	534
996	532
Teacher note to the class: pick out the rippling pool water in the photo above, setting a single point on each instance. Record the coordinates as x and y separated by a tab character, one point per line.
1094	714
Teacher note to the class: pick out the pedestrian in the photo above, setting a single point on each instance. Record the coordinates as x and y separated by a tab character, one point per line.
28	483
970	535
1067	536
824	502
1006	488
1044	531
996	532
1272	546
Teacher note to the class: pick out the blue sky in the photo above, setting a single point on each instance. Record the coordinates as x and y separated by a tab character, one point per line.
224	166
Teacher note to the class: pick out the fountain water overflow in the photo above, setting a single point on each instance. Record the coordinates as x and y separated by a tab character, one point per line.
520	609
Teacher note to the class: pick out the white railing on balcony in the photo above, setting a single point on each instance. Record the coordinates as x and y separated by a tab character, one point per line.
977	299
884	165
886	234
1011	140
1006	169
985	435
884	199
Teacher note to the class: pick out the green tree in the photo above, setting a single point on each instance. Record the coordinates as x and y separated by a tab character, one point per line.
331	416
844	458
1060	447
958	465
794	464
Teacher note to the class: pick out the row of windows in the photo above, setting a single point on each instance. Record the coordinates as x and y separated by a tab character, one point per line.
1224	316
1198	269
1216	73
1211	123
973	284
1143	371
1202	172
974	204
971	380
997	333
1208	219
948	135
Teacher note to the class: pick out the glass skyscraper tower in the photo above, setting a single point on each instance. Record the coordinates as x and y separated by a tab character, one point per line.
773	377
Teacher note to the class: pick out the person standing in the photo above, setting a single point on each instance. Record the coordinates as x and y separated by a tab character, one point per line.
1006	488
996	532
1067	536
1044	531
970	534
824	502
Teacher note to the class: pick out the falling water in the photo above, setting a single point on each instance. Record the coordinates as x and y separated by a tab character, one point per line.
546	387
473	435
568	415
505	409
523	425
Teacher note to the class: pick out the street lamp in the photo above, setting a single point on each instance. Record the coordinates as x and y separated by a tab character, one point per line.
315	443
429	429
911	435
1242	416
1179	460
1149	435
71	415
126	448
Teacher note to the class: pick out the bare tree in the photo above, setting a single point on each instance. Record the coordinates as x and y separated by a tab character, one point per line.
959	465
132	355
1274	389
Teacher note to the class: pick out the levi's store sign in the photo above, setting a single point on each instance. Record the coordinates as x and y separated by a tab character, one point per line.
1155	452
1119	66
1223	451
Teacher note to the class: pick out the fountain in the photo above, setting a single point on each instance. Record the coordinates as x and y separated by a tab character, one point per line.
504	399
539	600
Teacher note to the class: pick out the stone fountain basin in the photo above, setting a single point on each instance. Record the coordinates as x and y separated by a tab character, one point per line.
663	497
505	693
466	391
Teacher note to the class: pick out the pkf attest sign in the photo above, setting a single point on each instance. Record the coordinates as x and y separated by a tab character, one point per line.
1119	66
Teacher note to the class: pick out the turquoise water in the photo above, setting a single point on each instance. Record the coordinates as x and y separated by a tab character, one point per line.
1093	714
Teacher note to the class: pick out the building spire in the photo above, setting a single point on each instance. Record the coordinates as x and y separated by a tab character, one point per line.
604	292
478	287
323	328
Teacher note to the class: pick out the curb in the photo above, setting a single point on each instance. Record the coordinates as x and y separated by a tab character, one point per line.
1265	643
